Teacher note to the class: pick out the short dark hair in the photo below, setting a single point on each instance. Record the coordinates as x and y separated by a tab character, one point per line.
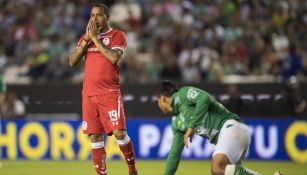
166	88
104	7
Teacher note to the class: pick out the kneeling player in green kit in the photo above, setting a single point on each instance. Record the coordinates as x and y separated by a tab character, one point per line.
197	112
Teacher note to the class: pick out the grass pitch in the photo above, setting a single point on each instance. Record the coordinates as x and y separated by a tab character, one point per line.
145	167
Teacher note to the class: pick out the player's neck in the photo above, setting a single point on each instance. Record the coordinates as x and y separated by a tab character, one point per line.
105	29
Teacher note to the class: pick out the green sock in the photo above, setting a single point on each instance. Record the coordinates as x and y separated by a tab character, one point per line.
239	170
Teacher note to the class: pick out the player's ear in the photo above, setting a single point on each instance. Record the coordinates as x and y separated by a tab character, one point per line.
107	16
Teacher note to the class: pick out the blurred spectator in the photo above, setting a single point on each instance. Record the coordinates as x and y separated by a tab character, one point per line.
235	103
2	94
248	37
292	64
270	62
12	107
235	58
36	63
209	63
170	70
304	62
3	60
292	99
281	15
188	64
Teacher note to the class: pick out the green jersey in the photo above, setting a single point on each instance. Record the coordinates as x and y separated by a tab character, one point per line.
197	109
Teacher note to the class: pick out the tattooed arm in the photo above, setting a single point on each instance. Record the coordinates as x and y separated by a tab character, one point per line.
113	55
76	55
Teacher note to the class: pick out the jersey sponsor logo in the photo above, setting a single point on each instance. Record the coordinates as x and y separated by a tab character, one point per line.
192	94
92	49
106	41
84	125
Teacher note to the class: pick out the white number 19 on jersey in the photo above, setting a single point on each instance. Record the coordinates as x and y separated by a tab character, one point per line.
113	117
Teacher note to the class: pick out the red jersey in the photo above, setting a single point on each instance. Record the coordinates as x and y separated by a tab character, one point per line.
100	75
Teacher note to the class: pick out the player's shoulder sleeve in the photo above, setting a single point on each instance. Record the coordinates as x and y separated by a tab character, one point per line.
119	41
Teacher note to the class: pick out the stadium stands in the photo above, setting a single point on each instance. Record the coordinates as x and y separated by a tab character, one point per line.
192	41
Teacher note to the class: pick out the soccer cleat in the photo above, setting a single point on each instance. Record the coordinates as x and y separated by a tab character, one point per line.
135	173
278	173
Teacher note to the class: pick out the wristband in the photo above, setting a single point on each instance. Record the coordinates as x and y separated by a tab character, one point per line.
84	43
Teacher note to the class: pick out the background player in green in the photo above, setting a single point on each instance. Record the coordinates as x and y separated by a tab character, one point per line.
197	112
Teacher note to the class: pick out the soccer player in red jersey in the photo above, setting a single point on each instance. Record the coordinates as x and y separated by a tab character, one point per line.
102	106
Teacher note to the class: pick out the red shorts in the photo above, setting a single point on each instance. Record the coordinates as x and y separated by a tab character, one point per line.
103	114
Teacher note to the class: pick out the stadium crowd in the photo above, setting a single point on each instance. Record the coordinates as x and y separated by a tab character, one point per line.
185	40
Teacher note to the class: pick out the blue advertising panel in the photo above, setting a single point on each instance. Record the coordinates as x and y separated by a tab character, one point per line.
283	139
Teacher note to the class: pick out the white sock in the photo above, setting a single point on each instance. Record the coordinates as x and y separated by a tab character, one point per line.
124	141
230	170
97	145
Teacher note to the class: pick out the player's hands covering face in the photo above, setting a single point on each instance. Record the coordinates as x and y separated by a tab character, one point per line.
87	36
92	30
